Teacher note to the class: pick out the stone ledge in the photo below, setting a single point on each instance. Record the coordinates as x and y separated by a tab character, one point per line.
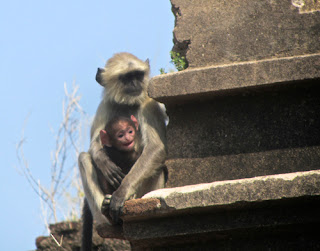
292	222
270	208
194	83
226	194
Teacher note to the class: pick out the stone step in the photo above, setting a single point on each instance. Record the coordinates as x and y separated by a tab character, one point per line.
192	84
276	205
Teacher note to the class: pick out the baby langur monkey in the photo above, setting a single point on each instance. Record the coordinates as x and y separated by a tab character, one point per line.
121	142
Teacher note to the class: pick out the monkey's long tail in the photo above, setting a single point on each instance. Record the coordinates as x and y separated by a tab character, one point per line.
87	224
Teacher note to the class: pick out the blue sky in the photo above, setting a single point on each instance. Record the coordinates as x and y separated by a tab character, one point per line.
44	44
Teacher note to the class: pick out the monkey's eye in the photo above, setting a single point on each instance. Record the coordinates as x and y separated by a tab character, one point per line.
123	78
120	136
138	75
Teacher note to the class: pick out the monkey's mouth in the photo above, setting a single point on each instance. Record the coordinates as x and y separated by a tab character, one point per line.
129	144
133	92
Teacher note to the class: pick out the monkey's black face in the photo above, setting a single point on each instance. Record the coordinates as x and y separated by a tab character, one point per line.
132	82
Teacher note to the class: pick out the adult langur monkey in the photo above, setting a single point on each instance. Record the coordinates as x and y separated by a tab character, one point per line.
125	79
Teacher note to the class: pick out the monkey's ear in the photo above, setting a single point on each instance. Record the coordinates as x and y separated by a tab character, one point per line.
135	121
147	62
105	138
99	77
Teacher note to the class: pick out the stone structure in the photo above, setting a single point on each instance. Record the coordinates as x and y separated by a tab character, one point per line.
68	236
244	120
261	213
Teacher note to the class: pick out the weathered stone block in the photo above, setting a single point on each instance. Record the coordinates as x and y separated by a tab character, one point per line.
189	171
217	32
256	120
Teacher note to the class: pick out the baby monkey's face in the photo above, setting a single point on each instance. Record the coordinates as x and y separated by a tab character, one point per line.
124	136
